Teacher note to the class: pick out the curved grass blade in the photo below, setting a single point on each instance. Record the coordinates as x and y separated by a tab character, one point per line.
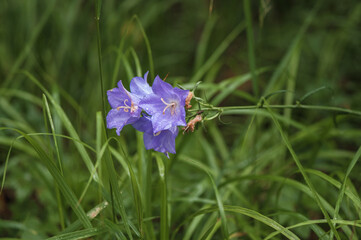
307	95
210	233
354	198
81	234
243	211
149	50
67	124
343	186
138	67
300	167
59	179
356	223
290	182
218	197
316	229
27	149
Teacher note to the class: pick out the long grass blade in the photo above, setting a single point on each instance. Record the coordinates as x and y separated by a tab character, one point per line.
117	196
67	124
26	51
164	221
59	179
247	212
217	53
250	41
302	170
60	165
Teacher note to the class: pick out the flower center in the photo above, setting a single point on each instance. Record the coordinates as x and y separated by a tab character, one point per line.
126	107
171	105
156	134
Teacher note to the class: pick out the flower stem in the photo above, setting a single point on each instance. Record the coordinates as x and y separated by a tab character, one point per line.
294	106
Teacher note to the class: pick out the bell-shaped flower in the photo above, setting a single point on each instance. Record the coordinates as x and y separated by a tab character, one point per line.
125	109
165	105
162	141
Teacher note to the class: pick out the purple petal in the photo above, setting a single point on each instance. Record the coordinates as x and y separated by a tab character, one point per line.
117	119
162	88
183	94
163	142
143	124
140	86
117	96
163	122
152	104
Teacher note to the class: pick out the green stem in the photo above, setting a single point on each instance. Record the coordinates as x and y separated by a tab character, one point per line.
294	106
97	18
250	40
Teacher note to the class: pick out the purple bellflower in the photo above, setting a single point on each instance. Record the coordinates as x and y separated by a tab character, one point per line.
125	109
163	141
165	105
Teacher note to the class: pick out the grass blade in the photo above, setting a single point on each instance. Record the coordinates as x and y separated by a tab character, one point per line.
343	186
164	221
114	187
81	234
304	174
67	124
59	179
217	53
250	41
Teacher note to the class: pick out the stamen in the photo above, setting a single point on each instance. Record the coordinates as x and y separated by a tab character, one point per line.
171	105
156	134
126	107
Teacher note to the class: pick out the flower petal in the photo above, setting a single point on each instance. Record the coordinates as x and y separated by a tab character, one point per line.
162	88
163	142
183	94
143	124
152	104
140	86
117	119
117	96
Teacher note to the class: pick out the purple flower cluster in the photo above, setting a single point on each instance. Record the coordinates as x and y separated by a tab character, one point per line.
156	111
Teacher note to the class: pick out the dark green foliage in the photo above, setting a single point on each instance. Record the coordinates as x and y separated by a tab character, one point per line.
285	165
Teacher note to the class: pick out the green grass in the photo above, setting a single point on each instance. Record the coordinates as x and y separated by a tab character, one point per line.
277	156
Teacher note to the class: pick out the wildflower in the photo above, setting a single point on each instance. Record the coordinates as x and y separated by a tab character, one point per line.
165	105
125	109
162	141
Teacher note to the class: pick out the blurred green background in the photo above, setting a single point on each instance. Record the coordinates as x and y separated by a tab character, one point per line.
298	46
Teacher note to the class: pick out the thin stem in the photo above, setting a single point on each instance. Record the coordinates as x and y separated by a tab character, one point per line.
294	106
250	40
97	18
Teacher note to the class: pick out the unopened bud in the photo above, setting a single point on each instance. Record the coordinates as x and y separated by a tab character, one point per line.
188	100
192	123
